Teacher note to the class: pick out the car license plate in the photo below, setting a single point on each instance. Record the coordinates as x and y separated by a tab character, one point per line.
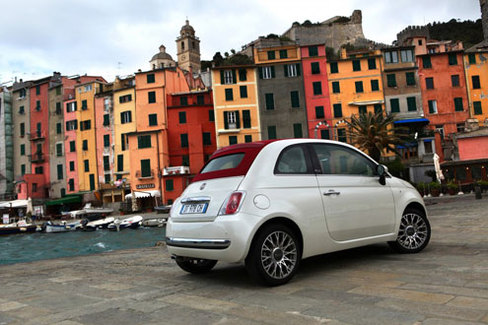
194	208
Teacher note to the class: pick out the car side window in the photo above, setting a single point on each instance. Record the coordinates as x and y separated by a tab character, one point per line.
334	159
292	160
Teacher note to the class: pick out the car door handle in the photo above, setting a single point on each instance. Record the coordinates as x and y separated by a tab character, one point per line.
331	192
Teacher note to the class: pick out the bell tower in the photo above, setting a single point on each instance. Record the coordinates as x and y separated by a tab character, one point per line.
188	49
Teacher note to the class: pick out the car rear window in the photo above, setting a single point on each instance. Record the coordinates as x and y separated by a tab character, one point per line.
223	162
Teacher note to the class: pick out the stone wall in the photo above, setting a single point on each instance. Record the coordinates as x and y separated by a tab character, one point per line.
412	31
484	17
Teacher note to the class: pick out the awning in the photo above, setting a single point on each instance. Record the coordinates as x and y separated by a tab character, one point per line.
65	200
140	194
367	102
14	204
414	120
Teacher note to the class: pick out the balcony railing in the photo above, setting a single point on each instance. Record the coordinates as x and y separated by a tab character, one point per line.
145	175
36	158
36	136
177	170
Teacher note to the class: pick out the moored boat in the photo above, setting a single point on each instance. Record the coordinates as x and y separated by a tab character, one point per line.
154	222
62	227
17	228
99	224
131	222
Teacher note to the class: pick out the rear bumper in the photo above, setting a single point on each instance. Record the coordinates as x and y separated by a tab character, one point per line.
198	243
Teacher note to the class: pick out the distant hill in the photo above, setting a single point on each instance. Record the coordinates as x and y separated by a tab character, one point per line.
468	31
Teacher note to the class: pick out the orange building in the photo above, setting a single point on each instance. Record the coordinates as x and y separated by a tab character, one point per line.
476	68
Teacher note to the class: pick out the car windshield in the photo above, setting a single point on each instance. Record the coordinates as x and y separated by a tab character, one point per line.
223	162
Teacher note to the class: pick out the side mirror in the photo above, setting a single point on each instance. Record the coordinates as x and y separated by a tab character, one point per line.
382	171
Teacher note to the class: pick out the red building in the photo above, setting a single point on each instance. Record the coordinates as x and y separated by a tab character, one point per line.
319	114
444	96
191	139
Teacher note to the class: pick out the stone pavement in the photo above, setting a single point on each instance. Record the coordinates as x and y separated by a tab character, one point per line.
445	284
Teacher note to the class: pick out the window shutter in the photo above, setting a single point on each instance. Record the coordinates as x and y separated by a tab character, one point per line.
273	72
298	69
238	122
234	76
260	70
285	70
222	77
226	122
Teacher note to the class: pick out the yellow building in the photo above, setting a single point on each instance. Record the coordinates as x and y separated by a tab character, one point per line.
476	70
235	105
355	87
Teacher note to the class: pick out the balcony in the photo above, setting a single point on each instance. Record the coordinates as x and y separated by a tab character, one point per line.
36	158
146	175
36	136
178	170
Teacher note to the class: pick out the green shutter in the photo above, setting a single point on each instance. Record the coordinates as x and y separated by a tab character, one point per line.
106	119
472	58
356	65
211	115
334	68
285	70
169	185
222	79
391	80
458	104
375	85
411	104
106	163
315	67
269	101
234	76
243	91
359	86
410	76
226	121
238	120
273	75
317	88
371	63
432	109
337	110
106	140
229	96
297	65
184	140
232	139
477	108
120	163
395	105
271	132
59	128
426	63
297	130
378	109
248	138
246	119
319	112
295	100
145	168
92	182
452	59
260	72
362	109
336	87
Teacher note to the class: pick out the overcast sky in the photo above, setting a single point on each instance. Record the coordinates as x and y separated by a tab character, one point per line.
117	37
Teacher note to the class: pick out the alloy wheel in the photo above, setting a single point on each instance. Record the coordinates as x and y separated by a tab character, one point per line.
279	254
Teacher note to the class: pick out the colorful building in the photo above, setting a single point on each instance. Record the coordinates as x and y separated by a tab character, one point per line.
70	145
7	190
235	103
319	114
191	139
57	160
355	83
476	68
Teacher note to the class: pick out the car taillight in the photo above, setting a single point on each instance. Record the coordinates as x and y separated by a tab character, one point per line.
232	204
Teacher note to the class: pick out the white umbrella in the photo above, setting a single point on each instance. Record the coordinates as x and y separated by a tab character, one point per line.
29	206
134	202
438	170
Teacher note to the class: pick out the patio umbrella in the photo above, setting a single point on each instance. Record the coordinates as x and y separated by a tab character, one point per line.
134	202
29	206
438	170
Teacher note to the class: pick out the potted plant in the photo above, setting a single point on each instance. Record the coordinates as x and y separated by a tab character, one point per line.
452	188
435	188
421	188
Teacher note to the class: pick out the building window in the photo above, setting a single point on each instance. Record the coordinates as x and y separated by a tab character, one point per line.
426	63
452	57
336	87
22	149
183	101
86	165
22	169
71	166
295	99
22	129
231	120
391	57
59	128
356	65
319	112
185	160
39	170
242	74
85	125
227	76
60	171
144	141
410	76
72	146
21	110
229	95
271	132
429	83
84	145
371	63
232	139
125	117
458	104
246	119
106	119
38	90
71	125
106	163
200	100
125	98
184	140
291	70
341	135
120	163
247	138
476	82
283	54
146	168
84	105
58	108
169	185
38	105
359	86
315	67
182	117
269	101
477	108
266	72
472	58
375	86
432	106
391	80
406	55
395	105
378	109
150	78
324	134
297	130
411	104
337	110
313	51
317	88
243	91
153	119
334	68
107	178
211	115
59	149
271	55
362	109
151	97
455	80
207	140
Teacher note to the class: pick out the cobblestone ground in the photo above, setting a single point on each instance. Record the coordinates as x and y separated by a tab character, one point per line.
445	284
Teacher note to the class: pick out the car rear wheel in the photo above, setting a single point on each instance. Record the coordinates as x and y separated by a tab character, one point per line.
274	255
195	265
414	233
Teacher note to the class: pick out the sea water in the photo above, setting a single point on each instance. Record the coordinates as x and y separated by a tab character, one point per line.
40	246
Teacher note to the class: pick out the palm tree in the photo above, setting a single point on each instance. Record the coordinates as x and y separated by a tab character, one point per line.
374	133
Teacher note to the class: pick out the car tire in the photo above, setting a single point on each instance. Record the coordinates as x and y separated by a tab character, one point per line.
195	265
274	255
413	234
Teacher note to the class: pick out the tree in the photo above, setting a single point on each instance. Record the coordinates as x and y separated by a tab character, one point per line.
374	133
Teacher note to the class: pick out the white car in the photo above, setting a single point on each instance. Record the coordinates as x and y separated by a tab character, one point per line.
270	204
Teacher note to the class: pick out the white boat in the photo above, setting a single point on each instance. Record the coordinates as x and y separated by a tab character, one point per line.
154	222
63	226
89	212
131	222
98	224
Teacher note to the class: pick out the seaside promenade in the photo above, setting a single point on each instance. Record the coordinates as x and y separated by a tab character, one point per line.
445	284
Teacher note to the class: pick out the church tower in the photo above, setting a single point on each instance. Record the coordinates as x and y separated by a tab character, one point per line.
188	49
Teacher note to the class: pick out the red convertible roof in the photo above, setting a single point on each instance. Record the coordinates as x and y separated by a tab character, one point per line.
250	151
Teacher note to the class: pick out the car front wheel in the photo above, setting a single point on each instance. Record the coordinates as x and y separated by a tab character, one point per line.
274	255
414	233
195	265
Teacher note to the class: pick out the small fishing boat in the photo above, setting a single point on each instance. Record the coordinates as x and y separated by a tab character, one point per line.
154	222
99	224
17	228
131	222
62	227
